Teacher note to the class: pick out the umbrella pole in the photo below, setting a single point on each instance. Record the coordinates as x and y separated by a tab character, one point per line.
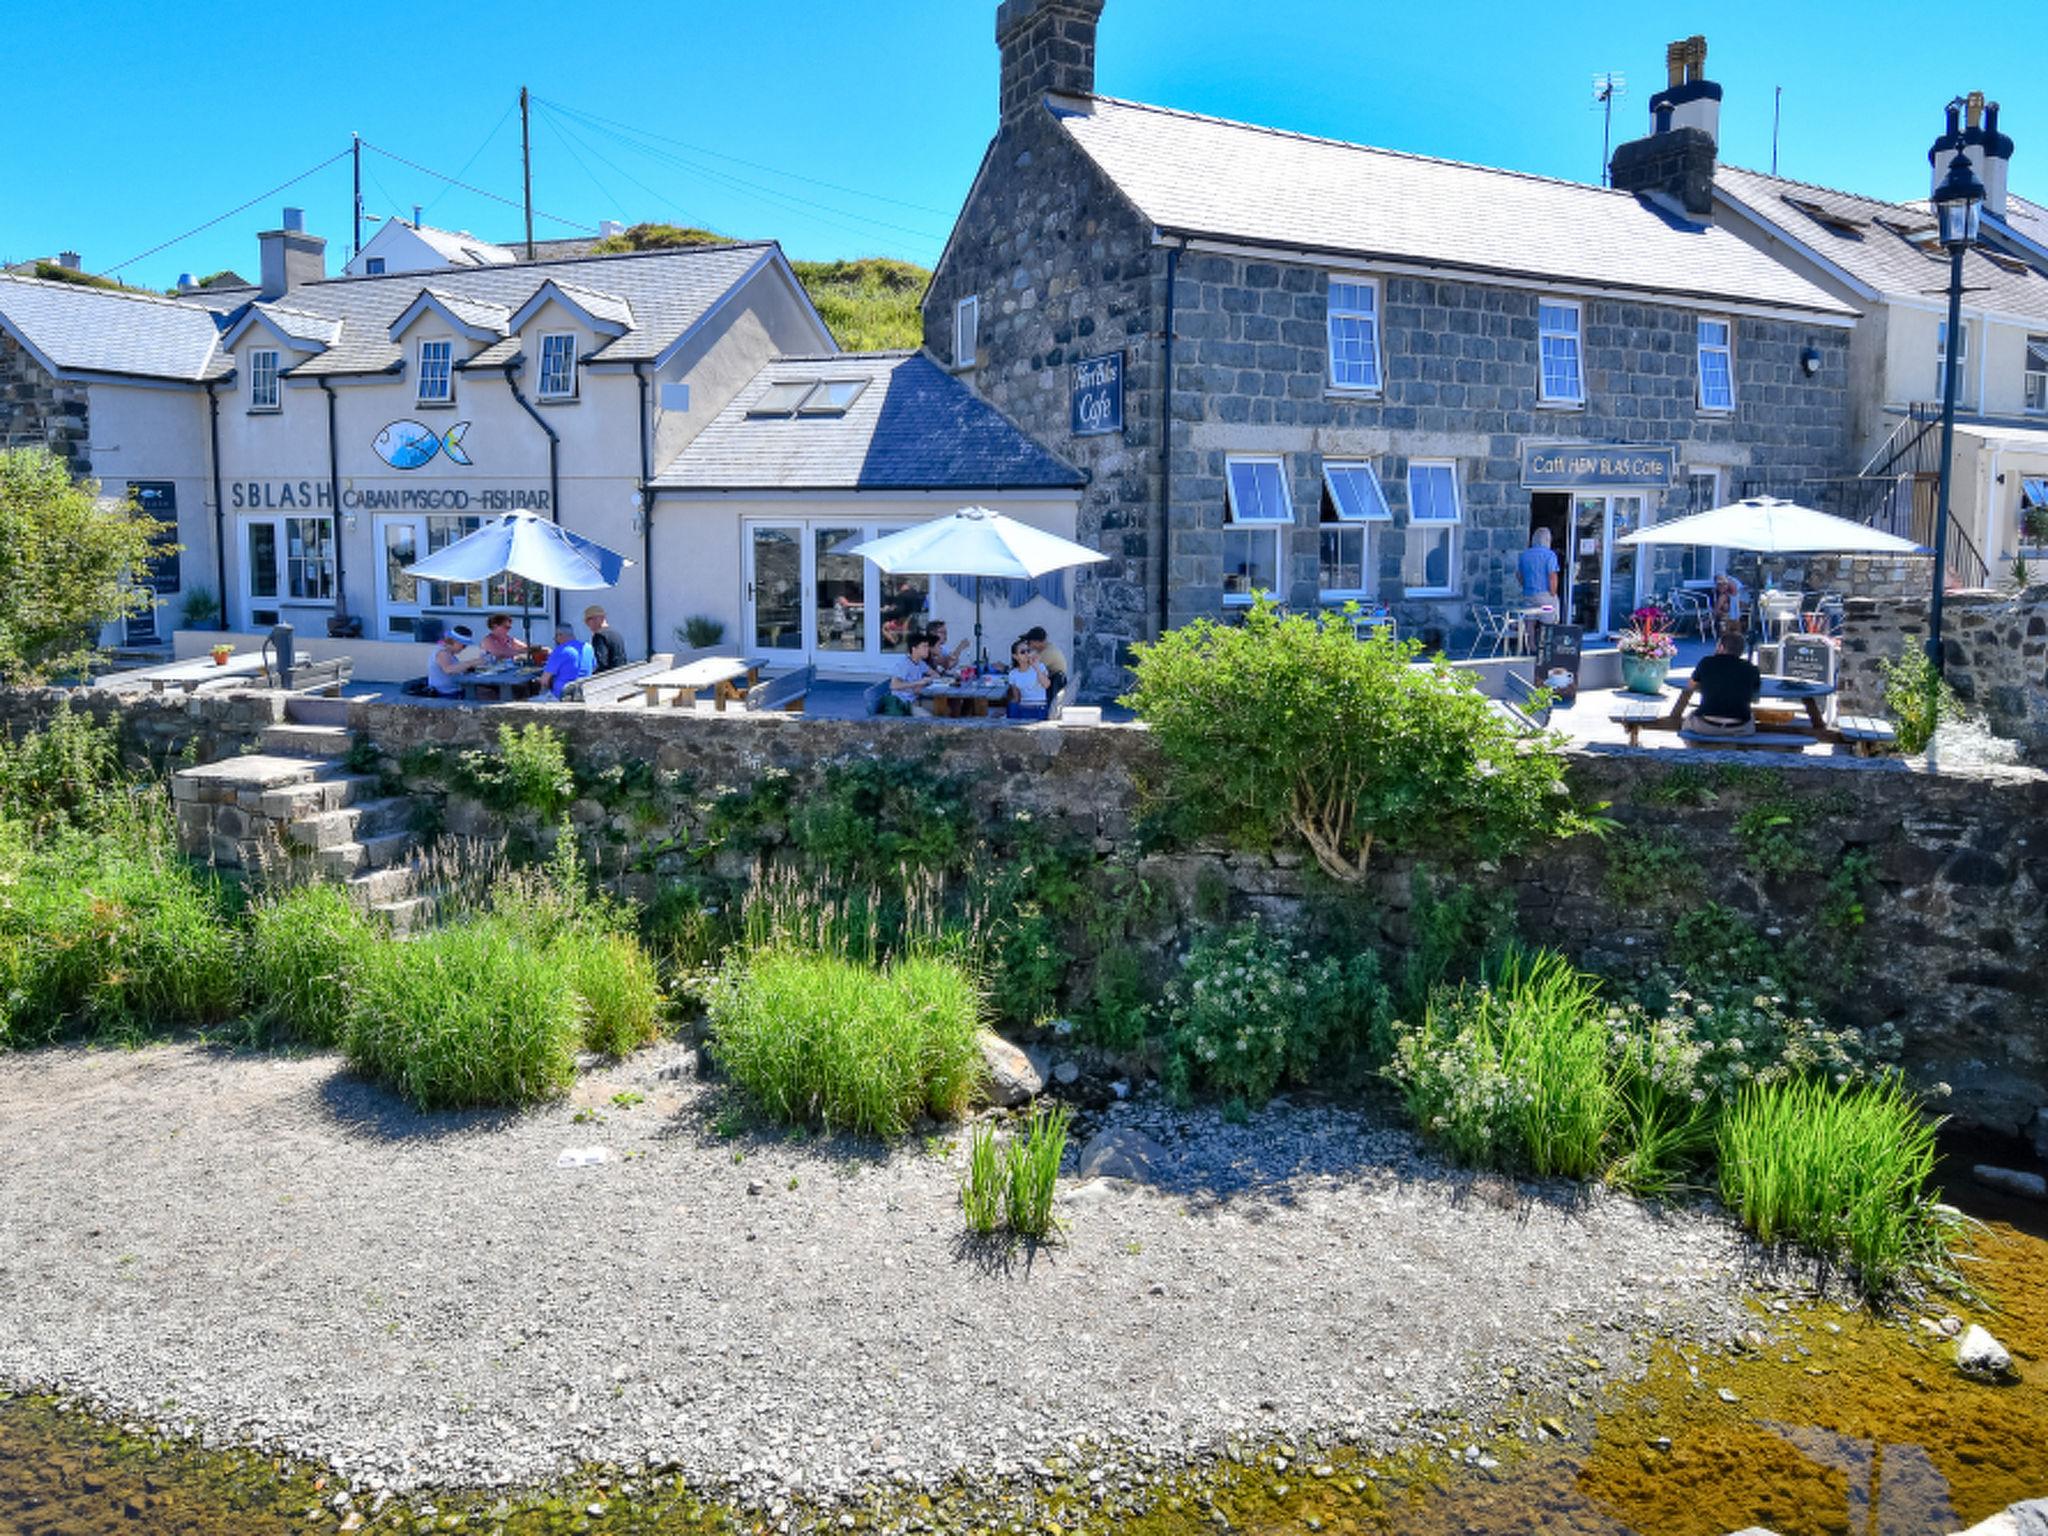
980	650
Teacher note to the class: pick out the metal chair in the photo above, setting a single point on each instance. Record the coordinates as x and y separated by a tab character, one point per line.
1778	613
1690	606
1496	625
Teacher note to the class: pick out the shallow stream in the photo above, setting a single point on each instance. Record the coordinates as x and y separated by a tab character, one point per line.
1835	1424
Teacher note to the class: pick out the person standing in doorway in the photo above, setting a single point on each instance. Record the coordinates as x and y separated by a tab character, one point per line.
1537	569
607	650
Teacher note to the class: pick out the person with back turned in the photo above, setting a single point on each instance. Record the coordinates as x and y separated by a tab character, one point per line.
1725	684
607	650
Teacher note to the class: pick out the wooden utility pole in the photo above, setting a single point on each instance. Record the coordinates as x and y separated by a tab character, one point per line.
355	144
526	165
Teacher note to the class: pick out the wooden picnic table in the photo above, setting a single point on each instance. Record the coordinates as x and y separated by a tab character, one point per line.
971	700
717	672
188	675
512	682
1781	690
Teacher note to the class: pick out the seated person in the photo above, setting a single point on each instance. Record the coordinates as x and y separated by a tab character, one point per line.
1725	685
499	643
568	662
451	659
1727	598
944	661
911	675
1051	657
1030	682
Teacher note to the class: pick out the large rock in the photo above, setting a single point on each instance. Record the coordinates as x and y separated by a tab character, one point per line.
1121	1154
2041	1134
2027	1519
2014	1181
1012	1079
1979	1354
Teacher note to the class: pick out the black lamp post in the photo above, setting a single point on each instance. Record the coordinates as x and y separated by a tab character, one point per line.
1957	203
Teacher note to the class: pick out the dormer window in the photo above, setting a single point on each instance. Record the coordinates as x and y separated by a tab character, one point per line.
263	379
558	366
437	373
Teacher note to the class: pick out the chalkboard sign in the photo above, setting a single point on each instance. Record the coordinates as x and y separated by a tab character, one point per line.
1557	660
1098	395
158	500
1807	659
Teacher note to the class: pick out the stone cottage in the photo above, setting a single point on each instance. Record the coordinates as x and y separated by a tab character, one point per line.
1386	370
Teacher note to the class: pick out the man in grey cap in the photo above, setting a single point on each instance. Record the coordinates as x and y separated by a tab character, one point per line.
607	650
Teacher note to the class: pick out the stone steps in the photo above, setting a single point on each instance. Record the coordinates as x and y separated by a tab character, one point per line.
385	850
311	709
324	792
320	829
306	740
404	913
377	889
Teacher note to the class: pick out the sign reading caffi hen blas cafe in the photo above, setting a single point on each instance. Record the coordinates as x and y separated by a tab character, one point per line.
1576	466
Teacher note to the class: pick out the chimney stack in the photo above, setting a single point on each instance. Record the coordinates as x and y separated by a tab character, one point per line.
1677	159
69	260
291	257
1988	150
1048	48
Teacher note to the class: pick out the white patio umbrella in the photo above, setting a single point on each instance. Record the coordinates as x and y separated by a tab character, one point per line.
1765	525
530	547
979	543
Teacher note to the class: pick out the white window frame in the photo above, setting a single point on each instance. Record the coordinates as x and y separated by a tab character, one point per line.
1347	524
420	359
1257	521
1368	321
1725	350
1577	336
542	375
1717	557
296	568
1454	524
259	399
1941	352
967	331
2034	381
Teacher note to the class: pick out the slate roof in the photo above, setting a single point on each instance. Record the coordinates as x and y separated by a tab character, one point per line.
458	247
1869	238
477	312
75	328
300	325
915	427
2027	219
1235	181
667	291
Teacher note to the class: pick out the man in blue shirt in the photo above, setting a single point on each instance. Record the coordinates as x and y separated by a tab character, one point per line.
1538	570
568	662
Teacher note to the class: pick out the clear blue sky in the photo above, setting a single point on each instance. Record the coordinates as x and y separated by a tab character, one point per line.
129	128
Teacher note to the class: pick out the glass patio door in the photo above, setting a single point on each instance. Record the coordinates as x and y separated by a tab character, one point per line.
774	589
1602	575
808	599
398	595
262	572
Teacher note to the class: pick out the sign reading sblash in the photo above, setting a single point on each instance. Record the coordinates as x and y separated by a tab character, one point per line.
1098	397
1576	466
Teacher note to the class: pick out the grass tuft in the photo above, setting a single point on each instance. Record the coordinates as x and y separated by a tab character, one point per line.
984	1191
1034	1171
306	949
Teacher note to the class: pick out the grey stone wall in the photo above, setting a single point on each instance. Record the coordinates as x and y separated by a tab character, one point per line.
1064	269
37	411
1994	654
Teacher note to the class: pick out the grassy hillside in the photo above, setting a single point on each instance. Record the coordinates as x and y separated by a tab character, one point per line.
870	304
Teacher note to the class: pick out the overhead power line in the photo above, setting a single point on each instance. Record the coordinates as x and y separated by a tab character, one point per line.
477	153
222	218
455	181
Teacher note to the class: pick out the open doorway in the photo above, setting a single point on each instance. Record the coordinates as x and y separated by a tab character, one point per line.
1552	510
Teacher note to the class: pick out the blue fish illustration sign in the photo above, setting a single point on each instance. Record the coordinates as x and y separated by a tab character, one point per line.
409	445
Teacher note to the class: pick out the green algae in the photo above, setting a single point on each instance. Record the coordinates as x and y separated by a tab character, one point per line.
1841	1423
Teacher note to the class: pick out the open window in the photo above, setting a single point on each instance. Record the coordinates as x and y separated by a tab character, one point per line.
1258	511
1353	501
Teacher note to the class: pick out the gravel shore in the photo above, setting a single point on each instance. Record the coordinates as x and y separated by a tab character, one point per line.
264	1249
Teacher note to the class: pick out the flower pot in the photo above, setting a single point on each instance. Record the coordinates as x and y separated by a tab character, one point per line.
220	658
1642	674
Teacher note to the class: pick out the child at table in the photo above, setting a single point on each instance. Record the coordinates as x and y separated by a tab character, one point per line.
1029	682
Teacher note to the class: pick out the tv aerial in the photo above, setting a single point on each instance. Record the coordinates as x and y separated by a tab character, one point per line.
1608	87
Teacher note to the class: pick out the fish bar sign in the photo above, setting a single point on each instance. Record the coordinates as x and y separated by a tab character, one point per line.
1575	466
1098	395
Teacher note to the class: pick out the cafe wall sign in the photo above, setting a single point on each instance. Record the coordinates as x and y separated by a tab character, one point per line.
1582	466
1098	395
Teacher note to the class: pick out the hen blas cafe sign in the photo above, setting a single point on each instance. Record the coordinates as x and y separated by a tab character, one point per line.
1098	395
1578	466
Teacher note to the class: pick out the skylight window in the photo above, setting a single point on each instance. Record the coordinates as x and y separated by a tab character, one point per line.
782	399
832	398
1840	223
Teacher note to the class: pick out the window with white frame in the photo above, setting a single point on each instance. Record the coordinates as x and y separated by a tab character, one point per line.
1354	333
1562	379
1353	501
966	331
1429	563
437	373
1717	365
558	366
1258	511
2036	382
1697	564
1941	346
309	558
263	380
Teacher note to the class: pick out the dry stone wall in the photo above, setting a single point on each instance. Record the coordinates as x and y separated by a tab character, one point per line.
1994	654
36	411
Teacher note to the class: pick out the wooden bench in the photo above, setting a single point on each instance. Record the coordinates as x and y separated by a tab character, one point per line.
1637	716
621	685
784	692
1866	734
1764	741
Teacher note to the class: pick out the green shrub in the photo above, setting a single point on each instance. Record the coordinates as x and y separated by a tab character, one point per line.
66	772
877	820
305	951
1841	1169
621	995
117	936
529	771
1033	1169
1119	1010
1916	697
471	1014
820	1037
1513	1072
1294	729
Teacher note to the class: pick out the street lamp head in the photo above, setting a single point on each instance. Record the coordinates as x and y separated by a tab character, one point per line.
1957	203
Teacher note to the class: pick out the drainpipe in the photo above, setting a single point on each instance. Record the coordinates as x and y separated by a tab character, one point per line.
554	457
338	625
220	505
1166	443
646	509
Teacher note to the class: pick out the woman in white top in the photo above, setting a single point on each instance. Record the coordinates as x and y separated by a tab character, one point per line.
448	663
1028	682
